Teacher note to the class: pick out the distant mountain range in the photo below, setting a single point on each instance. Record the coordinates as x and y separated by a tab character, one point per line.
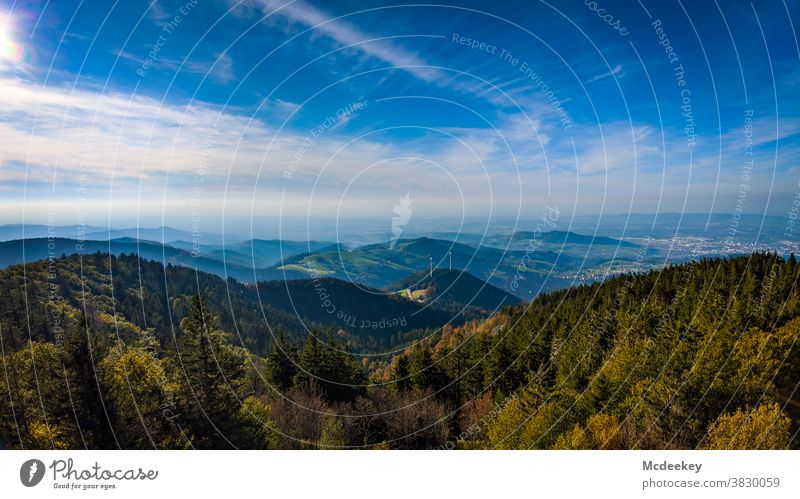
31	250
382	265
563	237
769	228
94	233
266	252
374	266
506	262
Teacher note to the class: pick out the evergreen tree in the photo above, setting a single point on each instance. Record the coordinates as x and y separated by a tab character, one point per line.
282	363
401	375
425	372
310	365
211	371
331	367
81	355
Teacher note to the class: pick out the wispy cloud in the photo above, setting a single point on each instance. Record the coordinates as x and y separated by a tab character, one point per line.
143	147
387	50
157	12
346	34
616	71
220	68
59	136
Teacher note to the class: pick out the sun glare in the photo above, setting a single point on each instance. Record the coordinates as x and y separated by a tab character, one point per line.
9	49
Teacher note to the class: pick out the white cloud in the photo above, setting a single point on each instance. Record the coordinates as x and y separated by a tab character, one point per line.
157	11
153	151
389	51
135	138
616	72
344	33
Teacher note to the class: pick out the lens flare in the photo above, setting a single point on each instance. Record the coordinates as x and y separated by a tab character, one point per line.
10	51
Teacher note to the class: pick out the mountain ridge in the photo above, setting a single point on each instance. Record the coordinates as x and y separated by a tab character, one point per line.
458	287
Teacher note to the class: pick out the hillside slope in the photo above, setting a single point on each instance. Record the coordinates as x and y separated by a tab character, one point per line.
458	287
147	295
372	316
382	265
264	252
700	355
657	360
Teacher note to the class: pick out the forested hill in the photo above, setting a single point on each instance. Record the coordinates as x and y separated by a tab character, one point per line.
700	355
126	295
456	286
131	295
704	354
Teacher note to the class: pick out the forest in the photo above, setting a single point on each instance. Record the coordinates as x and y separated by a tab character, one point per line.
105	352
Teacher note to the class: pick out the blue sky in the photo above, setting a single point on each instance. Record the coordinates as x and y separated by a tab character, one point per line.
256	110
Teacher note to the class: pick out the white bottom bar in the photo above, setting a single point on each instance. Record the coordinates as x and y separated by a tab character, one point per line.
404	474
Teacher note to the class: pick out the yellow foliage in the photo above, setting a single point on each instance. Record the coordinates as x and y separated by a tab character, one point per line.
602	432
136	378
605	431
258	425
574	439
504	429
765	427
333	434
42	435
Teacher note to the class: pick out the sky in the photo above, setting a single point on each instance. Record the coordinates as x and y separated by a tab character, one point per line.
251	115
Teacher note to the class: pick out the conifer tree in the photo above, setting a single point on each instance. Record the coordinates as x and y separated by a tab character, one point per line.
211	371
401	375
81	356
282	363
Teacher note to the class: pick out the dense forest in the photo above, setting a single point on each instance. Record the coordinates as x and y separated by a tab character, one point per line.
107	352
117	290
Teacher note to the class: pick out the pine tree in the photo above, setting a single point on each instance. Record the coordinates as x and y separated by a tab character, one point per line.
81	356
282	363
425	372
211	371
331	367
401	375
310	361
